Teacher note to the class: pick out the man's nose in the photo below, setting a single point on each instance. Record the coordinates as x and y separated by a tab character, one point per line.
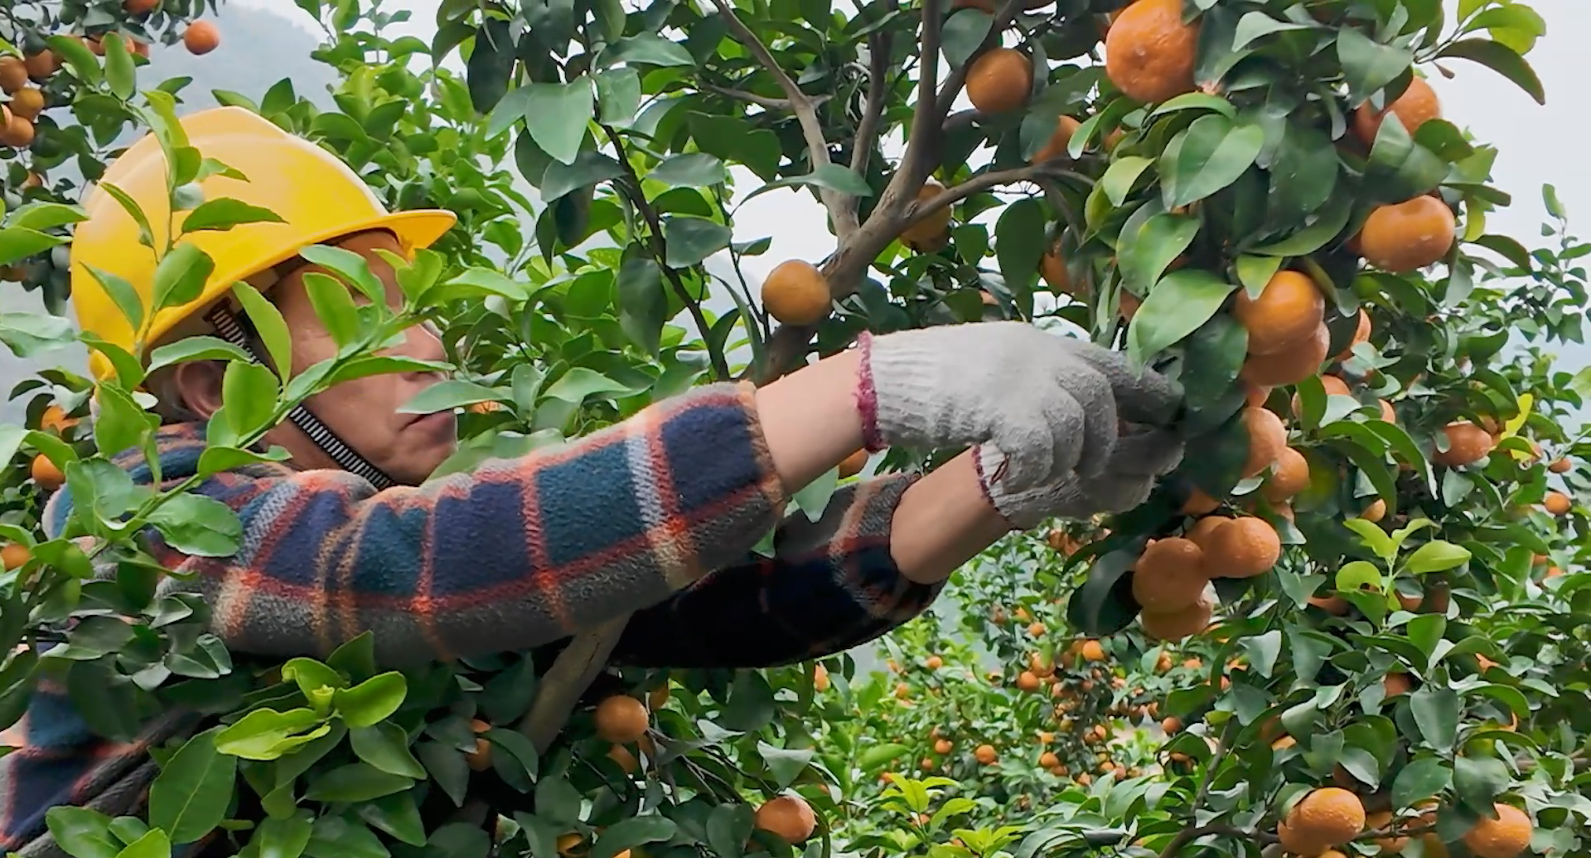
422	343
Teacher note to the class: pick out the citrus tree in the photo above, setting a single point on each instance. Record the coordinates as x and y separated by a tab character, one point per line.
1344	619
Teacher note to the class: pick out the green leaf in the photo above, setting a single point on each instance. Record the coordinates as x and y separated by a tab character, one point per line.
1436	712
1256	25
269	324
1210	155
222	214
876	757
1303	174
77	56
556	115
195	349
180	276
1019	246
643	305
248	395
266	734
962	33
371	701
311	676
1367	65
1420	779
448	395
1120	177
190	796
396	814
1326	225
691	170
618	97
355	782
1437	556
82	833
692	239
386	747
460	840
447	768
17	244
633	832
831	177
198	525
46	215
351	267
1263	650
336	837
1101	606
1425	632
122	423
557	800
1179	304
333	306
29	334
283	838
784	764
589	168
1400	168
648	49
154	844
1159	242
1478	781
1501	59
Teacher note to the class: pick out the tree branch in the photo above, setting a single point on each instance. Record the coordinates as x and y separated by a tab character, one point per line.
658	247
879	45
841	208
568	678
977	184
742	95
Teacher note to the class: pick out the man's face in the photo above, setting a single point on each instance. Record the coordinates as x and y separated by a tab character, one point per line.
364	412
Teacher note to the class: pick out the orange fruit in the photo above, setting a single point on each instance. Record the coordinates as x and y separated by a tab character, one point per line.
820	678
42	64
985	754
796	293
1057	145
1286	313
1149	51
1416	106
46	474
1296	844
1283	744
1557	503
13	556
1397	683
1176	625
1128	304
943	746
55	420
27	102
139	7
1334	604
1169	575
1092	651
487	407
1199	503
1375	511
1290	477
1242	548
1053	269
853	464
479	759
1201	531
902	691
1255	395
1560	466
931	227
1503	837
934	662
201	38
13	74
1330	816
1388	415
1172	725
999	80
1036	629
1291	365
1380	821
1027	681
1048	760
1267	439
1408	236
621	719
789	817
1467	444
17	132
625	760
1334	387
1361	334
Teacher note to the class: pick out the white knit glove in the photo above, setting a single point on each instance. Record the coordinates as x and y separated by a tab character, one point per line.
1142	455
1049	403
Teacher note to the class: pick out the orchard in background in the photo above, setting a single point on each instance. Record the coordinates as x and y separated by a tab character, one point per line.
1349	625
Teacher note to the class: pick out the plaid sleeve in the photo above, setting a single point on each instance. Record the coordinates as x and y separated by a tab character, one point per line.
831	585
519	553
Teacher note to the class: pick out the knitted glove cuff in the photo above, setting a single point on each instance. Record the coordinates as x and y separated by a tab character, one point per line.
867	396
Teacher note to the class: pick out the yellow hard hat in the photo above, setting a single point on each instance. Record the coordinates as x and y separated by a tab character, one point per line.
314	192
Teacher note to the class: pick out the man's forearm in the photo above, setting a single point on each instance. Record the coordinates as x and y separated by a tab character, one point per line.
943	521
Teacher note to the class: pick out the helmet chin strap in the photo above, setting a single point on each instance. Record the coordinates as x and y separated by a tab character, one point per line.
232	329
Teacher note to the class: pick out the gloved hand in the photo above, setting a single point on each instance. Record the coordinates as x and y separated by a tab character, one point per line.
1049	403
1141	456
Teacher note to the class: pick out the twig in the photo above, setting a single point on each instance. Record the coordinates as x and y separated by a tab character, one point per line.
841	208
977	184
658	246
1192	831
765	101
568	678
879	45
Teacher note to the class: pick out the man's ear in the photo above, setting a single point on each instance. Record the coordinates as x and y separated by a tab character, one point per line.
198	383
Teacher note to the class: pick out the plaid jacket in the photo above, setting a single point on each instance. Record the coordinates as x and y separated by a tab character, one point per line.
656	515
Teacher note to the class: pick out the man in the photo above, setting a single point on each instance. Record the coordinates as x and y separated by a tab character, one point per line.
657	515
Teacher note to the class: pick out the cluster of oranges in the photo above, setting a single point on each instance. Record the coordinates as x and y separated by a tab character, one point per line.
1327	819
